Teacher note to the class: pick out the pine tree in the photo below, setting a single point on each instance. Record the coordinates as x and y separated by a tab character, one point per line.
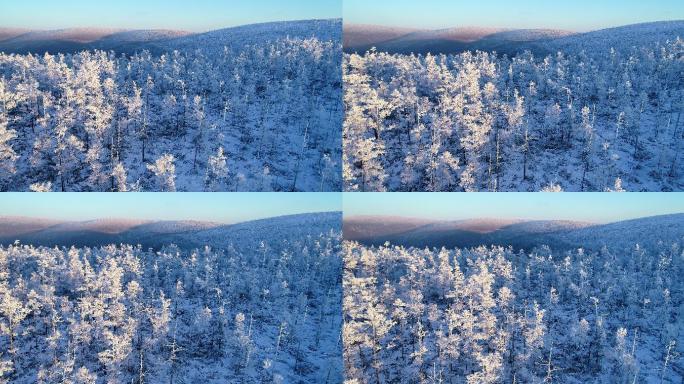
119	178
217	172
199	117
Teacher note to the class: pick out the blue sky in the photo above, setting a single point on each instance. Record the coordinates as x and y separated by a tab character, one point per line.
577	15
218	207
593	207
192	15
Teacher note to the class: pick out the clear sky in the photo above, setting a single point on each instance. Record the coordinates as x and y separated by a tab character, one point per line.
190	15
217	207
594	207
576	15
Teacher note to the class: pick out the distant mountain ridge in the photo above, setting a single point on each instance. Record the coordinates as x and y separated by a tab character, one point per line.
520	234
9	33
361	38
157	41
90	232
153	234
71	40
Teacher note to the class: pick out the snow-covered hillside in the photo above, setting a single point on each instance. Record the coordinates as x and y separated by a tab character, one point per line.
293	226
628	36
259	307
610	312
527	35
588	117
236	38
647	232
254	108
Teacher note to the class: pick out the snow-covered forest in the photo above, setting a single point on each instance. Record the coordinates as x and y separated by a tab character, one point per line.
262	308
494	315
589	117
241	109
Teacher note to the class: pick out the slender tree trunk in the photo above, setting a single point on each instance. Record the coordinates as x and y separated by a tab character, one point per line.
61	173
525	165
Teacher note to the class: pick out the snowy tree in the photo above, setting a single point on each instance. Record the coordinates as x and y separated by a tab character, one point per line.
41	187
199	117
165	171
119	178
217	171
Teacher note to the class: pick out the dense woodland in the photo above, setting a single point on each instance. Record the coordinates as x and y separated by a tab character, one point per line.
264	309
493	315
578	120
264	117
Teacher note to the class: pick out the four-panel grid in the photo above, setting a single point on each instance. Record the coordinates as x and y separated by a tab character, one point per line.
321	192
